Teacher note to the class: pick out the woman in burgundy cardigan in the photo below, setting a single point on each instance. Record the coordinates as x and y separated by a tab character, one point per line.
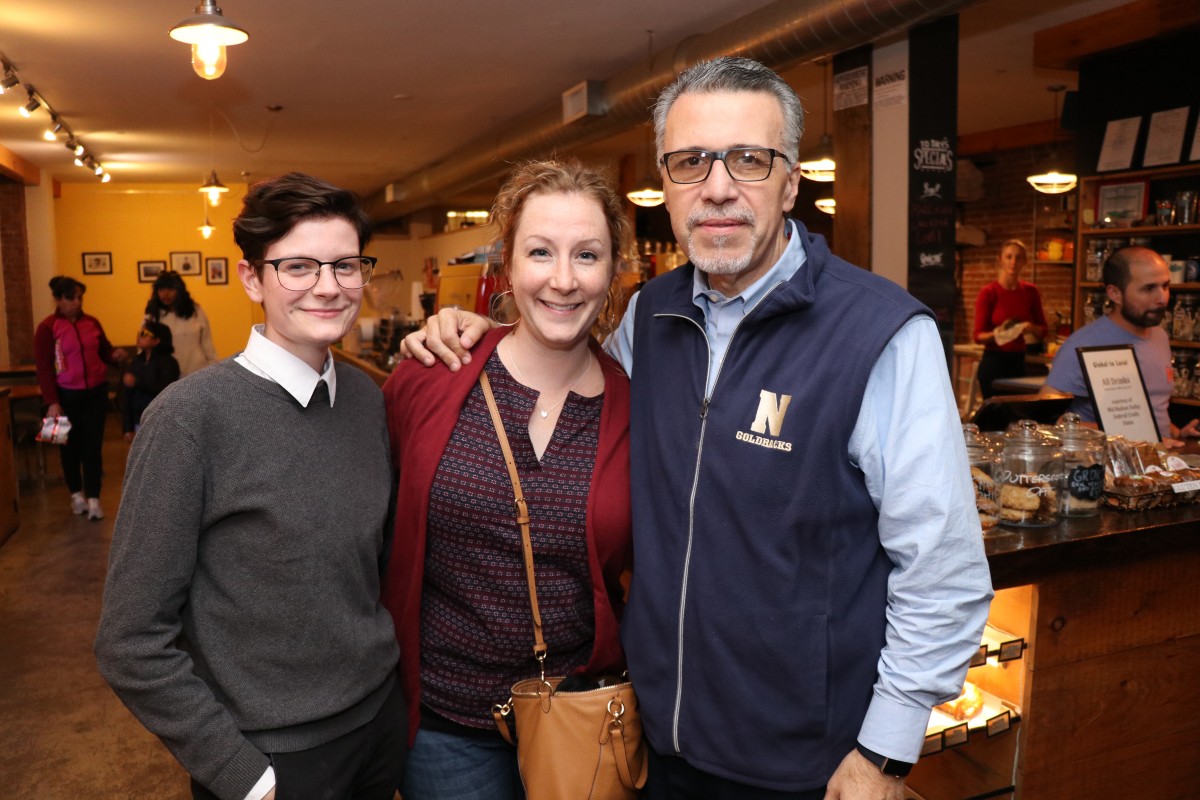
1005	310
455	582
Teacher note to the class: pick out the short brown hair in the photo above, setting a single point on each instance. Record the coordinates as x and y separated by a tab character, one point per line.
274	206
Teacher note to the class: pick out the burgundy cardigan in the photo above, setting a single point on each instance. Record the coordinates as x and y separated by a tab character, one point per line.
423	405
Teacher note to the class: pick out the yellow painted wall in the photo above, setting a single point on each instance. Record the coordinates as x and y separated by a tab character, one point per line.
147	222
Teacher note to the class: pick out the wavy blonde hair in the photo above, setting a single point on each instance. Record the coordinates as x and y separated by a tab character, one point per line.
566	176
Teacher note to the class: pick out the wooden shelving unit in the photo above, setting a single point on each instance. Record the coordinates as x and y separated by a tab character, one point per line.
1179	241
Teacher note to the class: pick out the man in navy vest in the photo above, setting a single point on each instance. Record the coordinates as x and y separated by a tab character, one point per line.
810	577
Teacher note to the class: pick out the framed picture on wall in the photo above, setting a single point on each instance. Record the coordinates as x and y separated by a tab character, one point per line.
149	270
1121	205
97	263
186	263
216	270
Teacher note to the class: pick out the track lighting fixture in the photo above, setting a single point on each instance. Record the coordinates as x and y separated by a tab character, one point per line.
209	33
9	80
51	134
105	178
97	170
28	109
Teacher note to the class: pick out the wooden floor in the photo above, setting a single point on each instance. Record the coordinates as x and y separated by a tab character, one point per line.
63	733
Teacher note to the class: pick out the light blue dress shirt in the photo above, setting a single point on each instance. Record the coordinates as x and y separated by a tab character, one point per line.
908	443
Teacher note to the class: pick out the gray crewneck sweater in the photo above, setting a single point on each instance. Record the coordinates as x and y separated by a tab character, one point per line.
241	611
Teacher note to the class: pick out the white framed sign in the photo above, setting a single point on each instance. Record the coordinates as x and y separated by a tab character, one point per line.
1118	392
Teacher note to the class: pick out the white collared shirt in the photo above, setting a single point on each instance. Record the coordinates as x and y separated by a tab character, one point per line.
268	360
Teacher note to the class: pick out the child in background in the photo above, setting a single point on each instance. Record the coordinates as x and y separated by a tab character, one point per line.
148	373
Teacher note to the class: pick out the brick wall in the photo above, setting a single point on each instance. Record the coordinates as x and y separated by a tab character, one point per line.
1007	211
14	254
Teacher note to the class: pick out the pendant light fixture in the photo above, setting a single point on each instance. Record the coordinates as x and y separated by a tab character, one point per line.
826	202
209	34
648	193
213	187
1048	179
818	163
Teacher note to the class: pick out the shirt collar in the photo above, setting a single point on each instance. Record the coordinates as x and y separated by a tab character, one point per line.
277	364
789	264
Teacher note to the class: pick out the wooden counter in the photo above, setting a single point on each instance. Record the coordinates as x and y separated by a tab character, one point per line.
1108	687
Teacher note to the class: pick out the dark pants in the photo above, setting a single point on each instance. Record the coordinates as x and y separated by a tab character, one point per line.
672	778
364	764
87	409
998	364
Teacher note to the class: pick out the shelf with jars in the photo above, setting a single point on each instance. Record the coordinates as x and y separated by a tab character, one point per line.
1155	208
1054	232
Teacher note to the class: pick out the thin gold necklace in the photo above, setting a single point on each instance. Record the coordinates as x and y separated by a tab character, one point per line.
545	412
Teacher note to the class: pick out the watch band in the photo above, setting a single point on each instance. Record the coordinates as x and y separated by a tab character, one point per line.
888	766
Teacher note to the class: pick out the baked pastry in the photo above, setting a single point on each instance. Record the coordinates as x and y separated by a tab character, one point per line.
1029	501
968	703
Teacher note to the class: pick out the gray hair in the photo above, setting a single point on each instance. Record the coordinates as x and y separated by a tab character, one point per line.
734	74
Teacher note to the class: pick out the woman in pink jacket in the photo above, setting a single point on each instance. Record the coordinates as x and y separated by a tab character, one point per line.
72	355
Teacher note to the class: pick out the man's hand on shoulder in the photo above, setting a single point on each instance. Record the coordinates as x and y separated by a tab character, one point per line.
448	335
859	779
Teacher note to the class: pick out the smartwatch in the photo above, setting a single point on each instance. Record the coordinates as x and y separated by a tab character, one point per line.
888	766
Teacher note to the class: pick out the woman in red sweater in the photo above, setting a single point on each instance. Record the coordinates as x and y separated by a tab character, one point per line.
72	356
455	582
1006	310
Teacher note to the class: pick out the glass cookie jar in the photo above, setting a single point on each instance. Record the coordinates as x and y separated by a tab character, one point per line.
1083	459
1031	477
985	462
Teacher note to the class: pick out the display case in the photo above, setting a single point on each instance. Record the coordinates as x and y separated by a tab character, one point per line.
972	751
1155	208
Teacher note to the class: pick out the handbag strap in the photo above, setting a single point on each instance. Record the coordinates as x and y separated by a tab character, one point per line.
522	510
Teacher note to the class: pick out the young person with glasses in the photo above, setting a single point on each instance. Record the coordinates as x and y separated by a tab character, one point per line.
152	369
241	619
810	577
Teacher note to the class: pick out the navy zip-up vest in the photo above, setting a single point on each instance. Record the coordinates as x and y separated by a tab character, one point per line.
756	614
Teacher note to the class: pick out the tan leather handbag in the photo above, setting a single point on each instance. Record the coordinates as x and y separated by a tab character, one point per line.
585	744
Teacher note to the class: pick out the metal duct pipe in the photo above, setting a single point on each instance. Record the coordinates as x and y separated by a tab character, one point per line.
779	35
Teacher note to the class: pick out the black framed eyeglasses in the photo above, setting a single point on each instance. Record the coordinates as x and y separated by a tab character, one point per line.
746	164
301	274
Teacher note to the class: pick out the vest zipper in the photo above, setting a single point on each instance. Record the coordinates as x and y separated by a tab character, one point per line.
687	558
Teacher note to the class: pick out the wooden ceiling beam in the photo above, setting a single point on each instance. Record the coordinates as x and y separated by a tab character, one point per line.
15	168
1027	135
1065	46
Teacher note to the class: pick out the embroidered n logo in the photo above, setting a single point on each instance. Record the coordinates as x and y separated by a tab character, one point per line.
771	410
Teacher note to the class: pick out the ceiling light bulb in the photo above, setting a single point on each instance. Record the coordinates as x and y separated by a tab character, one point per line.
206	230
79	160
78	149
51	133
28	109
646	197
208	60
818	164
826	204
209	34
1053	182
98	170
105	178
213	188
